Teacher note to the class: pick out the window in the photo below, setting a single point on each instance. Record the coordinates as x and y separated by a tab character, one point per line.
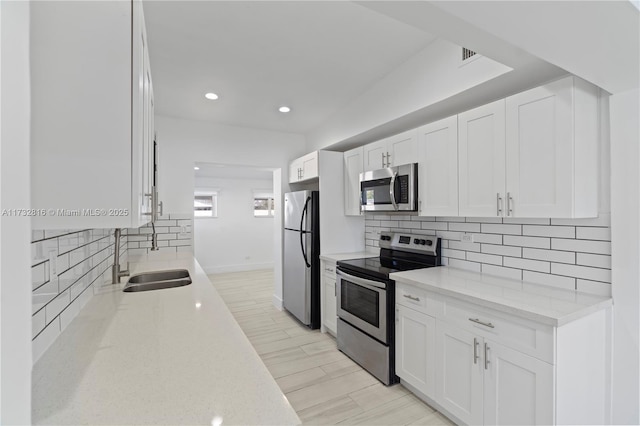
263	205
205	205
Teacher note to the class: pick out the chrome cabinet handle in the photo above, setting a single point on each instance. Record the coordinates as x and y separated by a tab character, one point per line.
509	204
383	162
388	159
486	324
475	350
498	204
408	296
486	358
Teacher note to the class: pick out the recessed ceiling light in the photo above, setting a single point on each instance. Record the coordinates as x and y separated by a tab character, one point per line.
211	96
196	168
284	109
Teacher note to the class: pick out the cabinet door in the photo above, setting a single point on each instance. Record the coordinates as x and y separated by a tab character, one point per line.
402	148
459	373
147	141
438	168
352	169
415	349
329	304
481	146
295	171
309	166
375	155
518	389
539	151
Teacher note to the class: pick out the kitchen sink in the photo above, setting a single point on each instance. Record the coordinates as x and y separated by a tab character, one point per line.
157	280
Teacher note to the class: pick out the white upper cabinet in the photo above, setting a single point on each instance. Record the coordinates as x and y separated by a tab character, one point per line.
438	168
304	168
395	150
481	159
534	154
92	115
353	166
551	152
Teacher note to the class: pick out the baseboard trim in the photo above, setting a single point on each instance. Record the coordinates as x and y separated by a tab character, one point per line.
277	302
236	268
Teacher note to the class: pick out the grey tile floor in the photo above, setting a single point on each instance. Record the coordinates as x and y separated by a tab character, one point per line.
323	385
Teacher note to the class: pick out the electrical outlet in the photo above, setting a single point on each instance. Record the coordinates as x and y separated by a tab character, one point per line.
184	229
466	238
52	264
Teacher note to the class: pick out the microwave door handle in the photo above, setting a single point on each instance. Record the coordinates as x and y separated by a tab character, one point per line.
392	190
372	285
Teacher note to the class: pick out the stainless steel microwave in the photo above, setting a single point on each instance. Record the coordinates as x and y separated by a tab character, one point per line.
390	189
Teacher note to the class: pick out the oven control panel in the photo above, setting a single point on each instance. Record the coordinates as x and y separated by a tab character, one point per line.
426	244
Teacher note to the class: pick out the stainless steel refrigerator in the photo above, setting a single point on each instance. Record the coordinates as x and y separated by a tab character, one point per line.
301	290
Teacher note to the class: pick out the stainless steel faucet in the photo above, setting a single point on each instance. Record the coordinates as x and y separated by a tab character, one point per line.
116	273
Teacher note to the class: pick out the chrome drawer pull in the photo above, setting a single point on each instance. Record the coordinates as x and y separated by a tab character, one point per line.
475	350
486	324
408	296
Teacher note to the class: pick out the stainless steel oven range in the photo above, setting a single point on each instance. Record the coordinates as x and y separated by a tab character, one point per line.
366	300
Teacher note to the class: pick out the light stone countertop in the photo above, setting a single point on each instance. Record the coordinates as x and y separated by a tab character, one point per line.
335	257
171	356
547	305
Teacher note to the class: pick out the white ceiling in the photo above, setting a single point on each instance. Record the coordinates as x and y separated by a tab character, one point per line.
314	56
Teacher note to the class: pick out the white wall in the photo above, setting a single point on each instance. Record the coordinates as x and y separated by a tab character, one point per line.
433	75
15	253
625	238
184	142
235	240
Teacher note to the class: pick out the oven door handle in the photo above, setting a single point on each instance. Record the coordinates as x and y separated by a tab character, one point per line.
392	190
372	285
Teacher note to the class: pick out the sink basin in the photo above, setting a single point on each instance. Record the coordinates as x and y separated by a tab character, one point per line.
157	280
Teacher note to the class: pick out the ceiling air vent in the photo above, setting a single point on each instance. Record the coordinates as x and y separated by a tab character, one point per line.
466	53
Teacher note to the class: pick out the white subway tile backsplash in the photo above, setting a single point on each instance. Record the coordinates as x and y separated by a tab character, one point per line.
595	260
534	242
501	250
53	308
39	275
463	264
464	227
585	272
438	226
499	271
567	283
582	246
549	255
491	228
592	233
594	287
183	216
484	258
549	231
528	264
548	252
43	340
37	323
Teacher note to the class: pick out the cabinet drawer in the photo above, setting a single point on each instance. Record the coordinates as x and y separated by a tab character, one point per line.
329	269
416	298
523	335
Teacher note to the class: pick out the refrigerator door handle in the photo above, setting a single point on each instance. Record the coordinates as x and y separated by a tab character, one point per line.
304	211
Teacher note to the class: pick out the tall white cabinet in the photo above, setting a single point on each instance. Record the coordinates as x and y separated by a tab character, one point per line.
92	115
481	159
438	168
353	166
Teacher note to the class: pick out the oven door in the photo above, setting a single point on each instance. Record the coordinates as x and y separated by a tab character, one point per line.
362	302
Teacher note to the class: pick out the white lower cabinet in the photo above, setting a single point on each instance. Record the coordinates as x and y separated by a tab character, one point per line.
415	349
518	388
467	362
328	311
459	373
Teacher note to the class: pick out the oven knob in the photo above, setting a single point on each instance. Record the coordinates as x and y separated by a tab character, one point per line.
429	242
416	241
422	242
